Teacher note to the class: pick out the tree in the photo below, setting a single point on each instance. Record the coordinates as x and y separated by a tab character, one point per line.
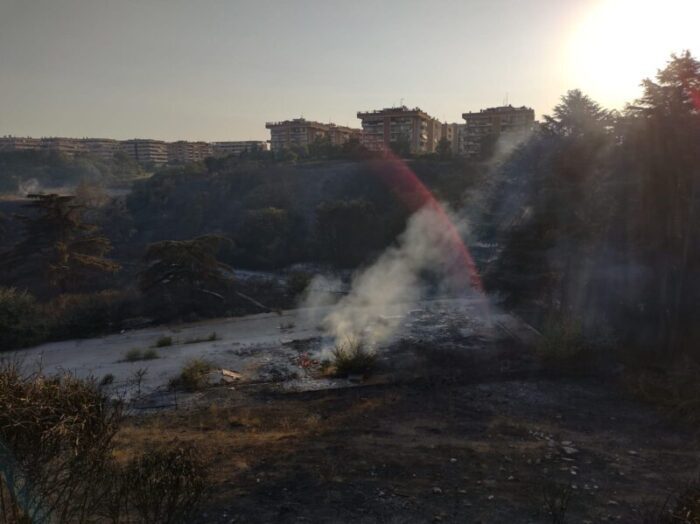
184	274
662	133
401	145
444	148
58	245
577	116
347	232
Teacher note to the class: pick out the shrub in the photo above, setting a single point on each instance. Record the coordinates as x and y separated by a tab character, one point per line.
167	485
58	452
297	282
134	355
58	432
21	323
164	342
107	380
353	358
193	375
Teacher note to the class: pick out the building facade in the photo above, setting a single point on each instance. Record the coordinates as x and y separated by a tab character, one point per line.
146	151
484	127
300	132
237	147
100	147
400	127
16	143
182	151
453	134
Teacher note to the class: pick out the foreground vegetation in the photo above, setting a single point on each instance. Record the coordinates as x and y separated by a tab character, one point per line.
59	462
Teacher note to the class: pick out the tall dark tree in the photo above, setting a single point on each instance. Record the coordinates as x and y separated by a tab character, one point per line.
662	155
58	247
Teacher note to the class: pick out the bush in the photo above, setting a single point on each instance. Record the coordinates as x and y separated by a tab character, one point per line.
164	342
58	452
58	433
297	282
193	375
21	323
134	355
167	485
353	358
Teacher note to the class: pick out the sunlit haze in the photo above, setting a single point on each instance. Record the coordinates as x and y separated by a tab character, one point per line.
217	70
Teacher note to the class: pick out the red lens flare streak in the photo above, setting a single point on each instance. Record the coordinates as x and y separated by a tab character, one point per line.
409	189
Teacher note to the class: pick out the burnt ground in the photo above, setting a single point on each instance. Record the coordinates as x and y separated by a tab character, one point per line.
455	439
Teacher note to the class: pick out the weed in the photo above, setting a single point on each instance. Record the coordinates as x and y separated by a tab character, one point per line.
556	498
353	358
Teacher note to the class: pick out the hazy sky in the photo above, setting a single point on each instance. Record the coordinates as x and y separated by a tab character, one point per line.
218	69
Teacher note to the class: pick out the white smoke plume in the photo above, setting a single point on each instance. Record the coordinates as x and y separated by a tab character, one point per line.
384	292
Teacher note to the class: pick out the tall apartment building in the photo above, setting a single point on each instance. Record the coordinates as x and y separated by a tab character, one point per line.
182	151
394	125
300	132
100	147
237	147
487	125
146	151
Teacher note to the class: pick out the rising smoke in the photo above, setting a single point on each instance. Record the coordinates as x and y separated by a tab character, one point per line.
424	259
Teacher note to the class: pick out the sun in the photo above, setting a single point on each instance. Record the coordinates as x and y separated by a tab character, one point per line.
620	42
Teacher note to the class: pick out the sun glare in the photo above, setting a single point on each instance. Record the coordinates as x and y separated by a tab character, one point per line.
619	42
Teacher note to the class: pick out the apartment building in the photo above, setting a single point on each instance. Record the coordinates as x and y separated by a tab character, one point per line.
16	143
300	132
339	135
100	147
396	125
146	151
182	151
237	147
484	127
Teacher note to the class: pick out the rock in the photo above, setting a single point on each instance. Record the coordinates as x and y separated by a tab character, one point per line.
437	491
569	450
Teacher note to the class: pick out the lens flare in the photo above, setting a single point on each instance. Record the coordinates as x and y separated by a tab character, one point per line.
413	193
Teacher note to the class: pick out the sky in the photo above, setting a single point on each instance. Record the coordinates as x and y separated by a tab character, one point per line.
219	69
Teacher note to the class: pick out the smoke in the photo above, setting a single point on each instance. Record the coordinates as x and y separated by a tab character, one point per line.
27	187
423	259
